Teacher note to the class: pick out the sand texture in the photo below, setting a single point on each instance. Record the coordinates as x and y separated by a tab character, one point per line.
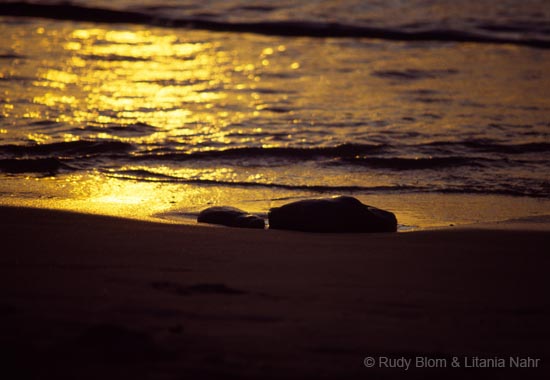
91	297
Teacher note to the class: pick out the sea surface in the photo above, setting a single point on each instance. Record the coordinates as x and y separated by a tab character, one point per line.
436	110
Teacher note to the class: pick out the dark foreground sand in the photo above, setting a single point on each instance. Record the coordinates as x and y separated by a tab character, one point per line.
90	297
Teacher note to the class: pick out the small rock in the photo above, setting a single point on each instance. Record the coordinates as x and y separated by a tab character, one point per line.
231	217
338	214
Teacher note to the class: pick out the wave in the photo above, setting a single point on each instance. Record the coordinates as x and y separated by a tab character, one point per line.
413	74
147	176
136	129
497	189
67	11
11	56
399	163
292	153
69	148
494	147
110	157
434	155
35	165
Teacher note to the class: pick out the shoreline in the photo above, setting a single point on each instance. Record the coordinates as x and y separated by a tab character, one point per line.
77	13
174	205
175	300
173	217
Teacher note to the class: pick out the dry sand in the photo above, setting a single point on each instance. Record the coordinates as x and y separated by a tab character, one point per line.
92	297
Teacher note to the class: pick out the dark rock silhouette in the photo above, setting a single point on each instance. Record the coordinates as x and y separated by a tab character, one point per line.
338	214
231	217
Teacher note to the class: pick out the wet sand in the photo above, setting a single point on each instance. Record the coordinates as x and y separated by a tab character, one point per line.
90	297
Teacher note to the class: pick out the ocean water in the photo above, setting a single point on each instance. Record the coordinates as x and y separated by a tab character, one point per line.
436	110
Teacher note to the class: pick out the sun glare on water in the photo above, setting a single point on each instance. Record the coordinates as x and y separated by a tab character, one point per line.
175	89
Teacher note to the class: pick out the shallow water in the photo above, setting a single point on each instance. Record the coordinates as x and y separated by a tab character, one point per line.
153	120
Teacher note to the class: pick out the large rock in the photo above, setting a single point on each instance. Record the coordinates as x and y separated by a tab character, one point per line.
338	214
231	217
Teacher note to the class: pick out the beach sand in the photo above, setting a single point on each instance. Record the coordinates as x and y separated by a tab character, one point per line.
89	297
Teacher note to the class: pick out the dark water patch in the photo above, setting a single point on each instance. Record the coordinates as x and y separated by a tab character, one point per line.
11	56
36	165
14	78
423	92
291	153
255	8
398	163
144	175
281	75
276	109
114	58
532	76
206	15
496	126
256	135
432	100
165	7
472	104
510	127
136	129
264	90
373	123
432	116
530	108
413	74
530	26
42	123
174	82
67	11
69	148
494	147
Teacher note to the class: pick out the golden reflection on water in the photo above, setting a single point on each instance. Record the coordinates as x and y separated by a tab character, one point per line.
200	92
131	72
127	76
101	77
